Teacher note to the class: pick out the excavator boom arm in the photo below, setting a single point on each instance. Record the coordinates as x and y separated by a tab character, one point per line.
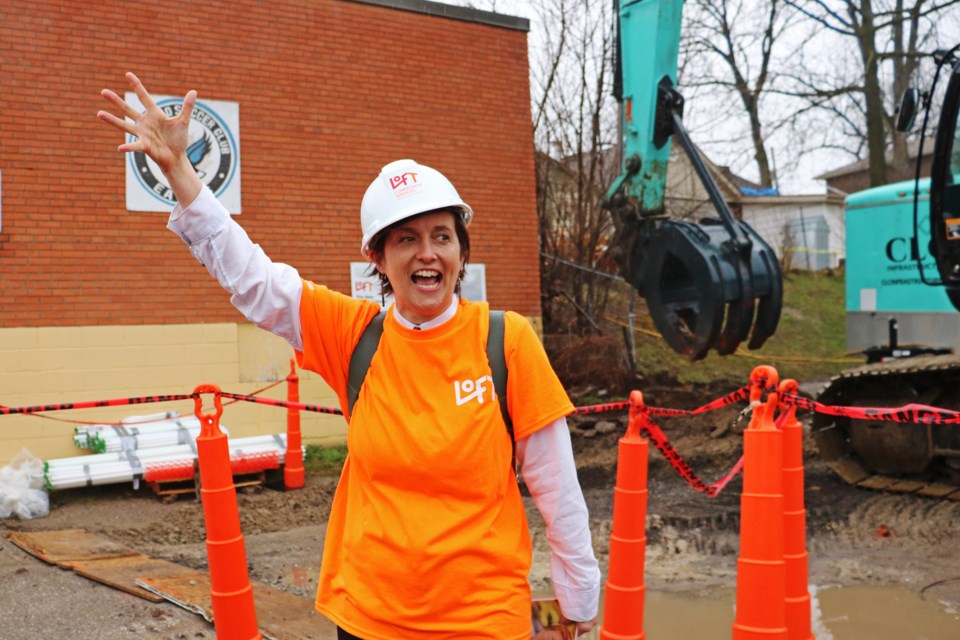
708	285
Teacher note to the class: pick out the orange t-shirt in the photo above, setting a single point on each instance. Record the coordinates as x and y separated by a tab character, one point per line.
427	536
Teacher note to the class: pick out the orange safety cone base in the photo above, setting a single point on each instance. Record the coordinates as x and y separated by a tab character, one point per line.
234	613
625	590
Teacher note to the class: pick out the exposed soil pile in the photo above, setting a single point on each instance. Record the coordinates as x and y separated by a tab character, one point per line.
854	536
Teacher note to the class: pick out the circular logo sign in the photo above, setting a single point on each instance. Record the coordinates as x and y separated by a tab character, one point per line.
211	149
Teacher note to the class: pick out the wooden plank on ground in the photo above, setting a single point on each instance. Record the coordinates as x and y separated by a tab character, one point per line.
877	483
851	471
906	486
280	615
936	490
190	593
122	573
67	545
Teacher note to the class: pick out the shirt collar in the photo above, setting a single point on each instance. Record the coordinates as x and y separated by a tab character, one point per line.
447	314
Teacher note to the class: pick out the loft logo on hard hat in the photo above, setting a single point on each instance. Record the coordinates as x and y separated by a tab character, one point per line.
212	150
403	179
405	184
468	390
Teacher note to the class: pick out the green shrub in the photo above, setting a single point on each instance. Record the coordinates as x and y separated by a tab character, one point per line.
324	461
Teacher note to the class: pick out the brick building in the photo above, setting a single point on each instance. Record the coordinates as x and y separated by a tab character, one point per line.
104	302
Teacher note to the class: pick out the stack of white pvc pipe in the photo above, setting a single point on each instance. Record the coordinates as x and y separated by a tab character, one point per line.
86	436
165	433
129	465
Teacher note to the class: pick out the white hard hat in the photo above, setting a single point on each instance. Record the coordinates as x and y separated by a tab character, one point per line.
402	190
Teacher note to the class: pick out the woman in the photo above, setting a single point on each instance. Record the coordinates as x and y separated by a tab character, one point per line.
427	536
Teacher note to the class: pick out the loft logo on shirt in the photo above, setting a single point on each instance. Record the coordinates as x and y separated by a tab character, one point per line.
212	152
468	390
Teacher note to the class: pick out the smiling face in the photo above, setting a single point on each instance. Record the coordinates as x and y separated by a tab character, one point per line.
422	259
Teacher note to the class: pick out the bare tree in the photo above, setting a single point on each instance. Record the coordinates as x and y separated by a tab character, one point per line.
742	36
575	132
890	37
574	118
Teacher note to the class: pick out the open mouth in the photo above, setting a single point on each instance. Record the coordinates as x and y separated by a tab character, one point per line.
427	279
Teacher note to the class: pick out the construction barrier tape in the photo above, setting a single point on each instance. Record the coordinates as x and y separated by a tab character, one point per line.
91	404
659	440
739	395
283	403
916	413
65	406
602	408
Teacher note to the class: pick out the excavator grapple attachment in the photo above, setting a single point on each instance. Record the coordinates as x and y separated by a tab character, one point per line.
705	293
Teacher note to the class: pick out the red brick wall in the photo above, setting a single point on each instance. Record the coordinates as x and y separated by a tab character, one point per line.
329	91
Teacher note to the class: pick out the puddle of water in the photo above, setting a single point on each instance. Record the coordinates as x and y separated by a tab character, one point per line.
884	612
671	616
848	613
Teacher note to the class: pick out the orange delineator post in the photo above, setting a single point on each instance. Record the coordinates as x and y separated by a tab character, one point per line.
293	474
625	590
794	522
761	575
234	615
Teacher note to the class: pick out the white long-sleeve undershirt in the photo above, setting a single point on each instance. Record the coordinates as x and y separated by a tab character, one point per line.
268	294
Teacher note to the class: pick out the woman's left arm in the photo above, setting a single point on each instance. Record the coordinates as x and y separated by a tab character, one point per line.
546	462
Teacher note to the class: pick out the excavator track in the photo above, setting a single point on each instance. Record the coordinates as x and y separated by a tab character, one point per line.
896	457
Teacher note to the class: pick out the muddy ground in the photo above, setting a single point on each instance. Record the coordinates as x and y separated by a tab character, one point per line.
855	537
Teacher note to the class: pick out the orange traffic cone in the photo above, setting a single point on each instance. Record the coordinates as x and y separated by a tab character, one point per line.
794	522
234	615
761	575
625	590
293	462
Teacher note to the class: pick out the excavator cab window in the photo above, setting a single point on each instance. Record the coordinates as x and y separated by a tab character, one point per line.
945	186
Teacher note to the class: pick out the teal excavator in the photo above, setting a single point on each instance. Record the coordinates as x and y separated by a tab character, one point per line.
716	283
708	285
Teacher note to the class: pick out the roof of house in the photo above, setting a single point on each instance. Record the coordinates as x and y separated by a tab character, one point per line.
864	164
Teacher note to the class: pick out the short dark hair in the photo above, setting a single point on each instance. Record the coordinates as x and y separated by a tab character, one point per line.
377	242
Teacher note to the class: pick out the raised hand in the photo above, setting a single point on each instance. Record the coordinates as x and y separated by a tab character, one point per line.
162	138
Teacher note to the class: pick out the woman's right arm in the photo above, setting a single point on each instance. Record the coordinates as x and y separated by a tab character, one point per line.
268	294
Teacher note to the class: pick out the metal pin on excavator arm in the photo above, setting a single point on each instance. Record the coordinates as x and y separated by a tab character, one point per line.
708	285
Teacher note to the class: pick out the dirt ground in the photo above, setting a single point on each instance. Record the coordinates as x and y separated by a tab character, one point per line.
855	537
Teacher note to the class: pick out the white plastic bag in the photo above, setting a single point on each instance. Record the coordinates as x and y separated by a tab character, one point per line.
22	490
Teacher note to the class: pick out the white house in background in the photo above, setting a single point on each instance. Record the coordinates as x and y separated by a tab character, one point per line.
807	232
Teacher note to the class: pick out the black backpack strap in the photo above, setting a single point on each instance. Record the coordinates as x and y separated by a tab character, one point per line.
498	367
361	358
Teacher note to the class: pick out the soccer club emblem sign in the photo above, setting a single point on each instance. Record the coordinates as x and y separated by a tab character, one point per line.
213	149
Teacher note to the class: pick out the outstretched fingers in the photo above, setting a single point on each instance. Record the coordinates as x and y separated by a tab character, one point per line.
141	91
186	111
163	138
120	104
119	123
